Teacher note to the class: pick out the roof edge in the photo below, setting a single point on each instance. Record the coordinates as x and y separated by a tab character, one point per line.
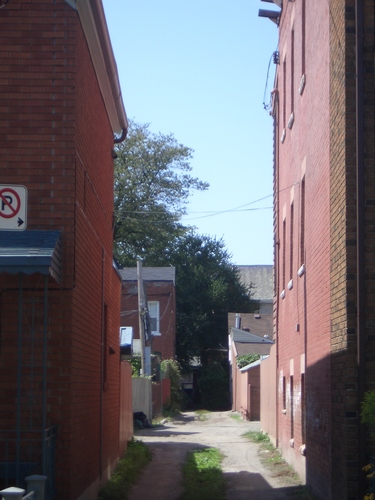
92	17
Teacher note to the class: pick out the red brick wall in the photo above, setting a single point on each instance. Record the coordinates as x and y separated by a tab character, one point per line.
57	141
303	328
321	145
348	451
161	291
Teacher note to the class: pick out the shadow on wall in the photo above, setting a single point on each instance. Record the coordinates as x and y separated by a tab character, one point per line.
333	458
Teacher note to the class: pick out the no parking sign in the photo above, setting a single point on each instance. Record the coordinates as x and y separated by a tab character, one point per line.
13	207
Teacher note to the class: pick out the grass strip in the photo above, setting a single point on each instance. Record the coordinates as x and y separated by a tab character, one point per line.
128	470
202	475
271	457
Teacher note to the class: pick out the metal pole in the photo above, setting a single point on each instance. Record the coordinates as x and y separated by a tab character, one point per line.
141	311
44	396
19	376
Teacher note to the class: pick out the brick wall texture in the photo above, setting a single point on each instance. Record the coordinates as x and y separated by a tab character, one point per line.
162	292
320	380
56	140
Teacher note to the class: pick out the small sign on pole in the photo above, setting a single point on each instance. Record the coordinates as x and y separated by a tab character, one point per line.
13	207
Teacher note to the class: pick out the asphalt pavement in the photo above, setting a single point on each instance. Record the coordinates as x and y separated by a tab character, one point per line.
246	476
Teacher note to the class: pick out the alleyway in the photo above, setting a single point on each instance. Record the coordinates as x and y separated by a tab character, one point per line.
247	478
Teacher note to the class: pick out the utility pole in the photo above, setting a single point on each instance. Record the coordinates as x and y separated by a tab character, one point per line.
141	312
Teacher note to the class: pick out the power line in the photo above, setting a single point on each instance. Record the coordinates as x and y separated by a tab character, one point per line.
211	213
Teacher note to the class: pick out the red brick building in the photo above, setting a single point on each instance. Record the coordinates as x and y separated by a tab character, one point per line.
60	108
323	109
159	286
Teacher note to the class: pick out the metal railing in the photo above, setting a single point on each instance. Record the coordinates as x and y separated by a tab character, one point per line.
35	489
30	496
26	454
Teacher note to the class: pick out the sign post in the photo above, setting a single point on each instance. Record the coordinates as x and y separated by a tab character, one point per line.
13	207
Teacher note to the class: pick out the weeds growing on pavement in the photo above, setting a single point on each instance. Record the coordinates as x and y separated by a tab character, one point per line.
126	473
272	459
202	415
202	475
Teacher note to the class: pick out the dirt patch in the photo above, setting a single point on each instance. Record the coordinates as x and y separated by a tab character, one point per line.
248	473
277	466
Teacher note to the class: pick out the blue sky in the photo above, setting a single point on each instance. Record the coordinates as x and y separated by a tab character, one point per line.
198	70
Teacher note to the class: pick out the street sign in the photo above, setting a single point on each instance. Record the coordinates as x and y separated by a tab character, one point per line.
13	207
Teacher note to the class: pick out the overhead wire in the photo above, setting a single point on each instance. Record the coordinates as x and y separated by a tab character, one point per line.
240	208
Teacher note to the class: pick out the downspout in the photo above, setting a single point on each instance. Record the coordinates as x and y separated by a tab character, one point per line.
360	213
118	140
276	257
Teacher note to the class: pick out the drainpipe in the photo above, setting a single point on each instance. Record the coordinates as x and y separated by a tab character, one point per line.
118	140
276	270
360	210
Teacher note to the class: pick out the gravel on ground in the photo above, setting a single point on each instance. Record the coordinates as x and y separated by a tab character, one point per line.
246	475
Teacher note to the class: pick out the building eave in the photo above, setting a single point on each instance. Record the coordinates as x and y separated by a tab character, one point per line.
95	28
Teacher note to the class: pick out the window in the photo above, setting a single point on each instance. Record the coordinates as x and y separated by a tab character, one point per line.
303	36
292	69
303	409
303	49
284	93
153	310
291	407
302	233
291	236
284	253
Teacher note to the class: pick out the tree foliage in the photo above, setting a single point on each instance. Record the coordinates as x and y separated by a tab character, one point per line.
214	387
247	359
151	189
152	186
171	369
207	288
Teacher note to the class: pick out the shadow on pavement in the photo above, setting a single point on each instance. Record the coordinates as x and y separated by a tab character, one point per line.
246	485
161	433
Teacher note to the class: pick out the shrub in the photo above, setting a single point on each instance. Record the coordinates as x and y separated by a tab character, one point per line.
126	473
171	369
246	359
136	364
368	410
214	387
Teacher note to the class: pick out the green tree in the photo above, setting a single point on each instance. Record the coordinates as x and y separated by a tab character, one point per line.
207	288
247	359
151	188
